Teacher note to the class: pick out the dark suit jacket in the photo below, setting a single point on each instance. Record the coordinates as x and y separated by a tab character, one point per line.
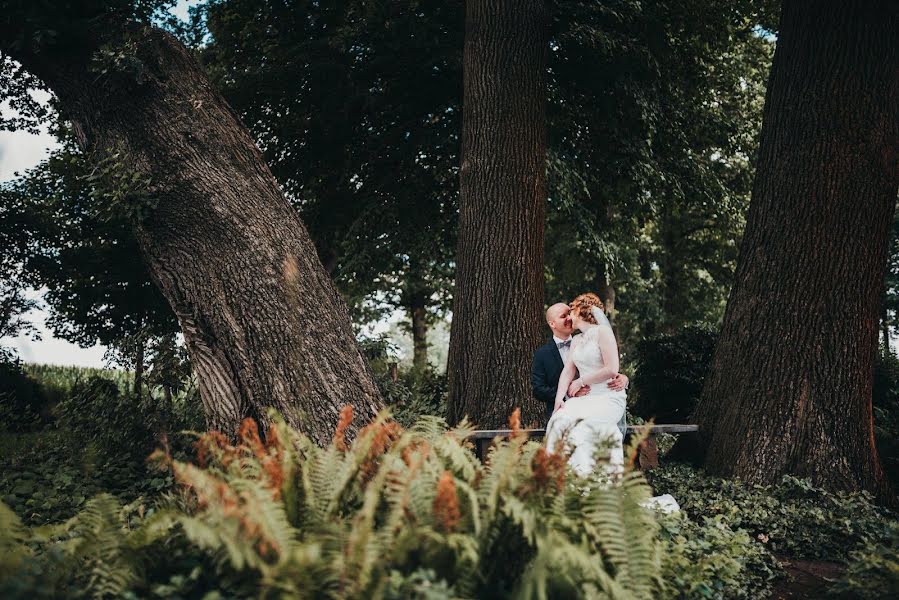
545	372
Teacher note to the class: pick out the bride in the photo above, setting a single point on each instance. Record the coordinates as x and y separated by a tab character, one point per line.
589	423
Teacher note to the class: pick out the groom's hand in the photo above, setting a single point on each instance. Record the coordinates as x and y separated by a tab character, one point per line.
619	382
575	387
583	391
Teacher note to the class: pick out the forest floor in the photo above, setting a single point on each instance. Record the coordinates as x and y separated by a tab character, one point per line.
806	578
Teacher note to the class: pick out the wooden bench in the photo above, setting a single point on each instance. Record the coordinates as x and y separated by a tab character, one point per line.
648	457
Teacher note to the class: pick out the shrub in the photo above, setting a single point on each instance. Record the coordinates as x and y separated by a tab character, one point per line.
873	570
99	413
793	518
711	560
118	422
23	404
399	513
417	393
46	477
411	393
670	371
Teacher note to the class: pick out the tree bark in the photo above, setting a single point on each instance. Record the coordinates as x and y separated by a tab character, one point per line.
419	337
498	299
790	385
885	329
139	367
262	321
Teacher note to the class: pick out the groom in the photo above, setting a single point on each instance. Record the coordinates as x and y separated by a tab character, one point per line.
550	358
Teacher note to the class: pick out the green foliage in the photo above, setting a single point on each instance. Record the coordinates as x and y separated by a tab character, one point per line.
793	518
671	369
410	394
873	570
708	559
118	192
59	380
48	476
15	239
886	413
416	393
23	403
397	514
83	250
99	413
649	173
374	91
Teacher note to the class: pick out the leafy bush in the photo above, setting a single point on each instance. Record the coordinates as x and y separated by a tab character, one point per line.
671	369
793	518
99	413
873	570
399	513
47	477
415	394
118	423
23	403
410	394
711	560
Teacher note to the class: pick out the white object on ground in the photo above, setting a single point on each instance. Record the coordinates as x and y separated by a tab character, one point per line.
664	503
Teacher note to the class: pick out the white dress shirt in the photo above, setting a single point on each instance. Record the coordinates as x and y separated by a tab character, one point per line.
563	351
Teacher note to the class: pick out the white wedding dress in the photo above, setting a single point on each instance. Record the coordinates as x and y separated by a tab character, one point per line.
589	423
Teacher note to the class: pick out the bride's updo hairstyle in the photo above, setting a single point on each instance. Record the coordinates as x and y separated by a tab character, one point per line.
582	306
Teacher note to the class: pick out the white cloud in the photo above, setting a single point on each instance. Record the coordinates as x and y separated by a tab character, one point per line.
51	350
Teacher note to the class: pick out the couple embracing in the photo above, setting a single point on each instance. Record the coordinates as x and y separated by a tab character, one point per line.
578	380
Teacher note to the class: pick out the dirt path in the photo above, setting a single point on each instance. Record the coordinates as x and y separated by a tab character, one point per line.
806	578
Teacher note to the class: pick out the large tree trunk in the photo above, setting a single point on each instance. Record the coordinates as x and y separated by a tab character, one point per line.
416	294
498	297
262	321
790	385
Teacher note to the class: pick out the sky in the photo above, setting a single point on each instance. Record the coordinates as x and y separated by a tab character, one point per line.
20	151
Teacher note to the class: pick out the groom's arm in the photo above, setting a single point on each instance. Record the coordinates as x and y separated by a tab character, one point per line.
543	389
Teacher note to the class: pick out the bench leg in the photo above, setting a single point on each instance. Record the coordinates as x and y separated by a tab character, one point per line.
648	454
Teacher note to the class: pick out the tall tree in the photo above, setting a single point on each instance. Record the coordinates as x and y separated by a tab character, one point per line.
649	171
499	276
261	319
86	258
790	385
15	239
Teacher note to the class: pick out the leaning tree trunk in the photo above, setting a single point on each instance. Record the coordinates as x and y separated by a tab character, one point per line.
790	385
262	321
498	297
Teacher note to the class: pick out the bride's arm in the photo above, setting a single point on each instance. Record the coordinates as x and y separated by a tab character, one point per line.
609	348
564	381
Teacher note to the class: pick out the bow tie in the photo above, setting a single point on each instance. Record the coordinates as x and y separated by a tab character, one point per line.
565	344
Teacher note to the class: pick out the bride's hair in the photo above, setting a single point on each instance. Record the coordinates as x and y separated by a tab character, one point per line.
582	306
